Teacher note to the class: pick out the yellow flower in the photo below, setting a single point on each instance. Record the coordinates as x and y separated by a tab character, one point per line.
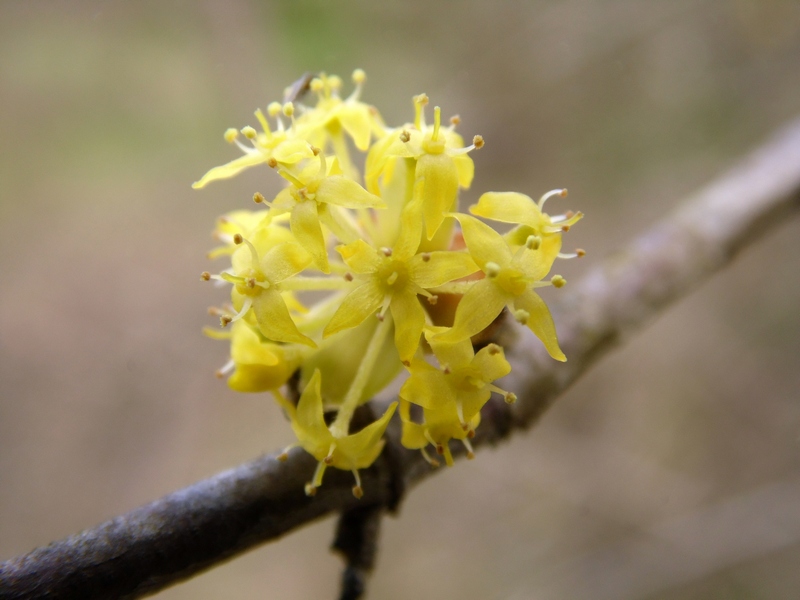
257	285
442	163
438	427
391	279
258	365
247	223
510	280
511	207
349	452
464	379
282	146
316	196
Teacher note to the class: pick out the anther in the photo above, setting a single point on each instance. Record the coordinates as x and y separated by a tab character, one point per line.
358	492
387	252
249	132
311	490
335	82
219	374
563	193
231	134
533	242
446	371
328	459
494	349
478	141
251	282
471	433
315	151
580	252
558	281
288	109
432	300
274	109
225	320
205	276
380	317
510	397
565	228
316	85
470	451
492	269
271	162
359	76
258	198
406	363
439	449
569	214
283	456
348	277
455	120
237	238
421	99
405	136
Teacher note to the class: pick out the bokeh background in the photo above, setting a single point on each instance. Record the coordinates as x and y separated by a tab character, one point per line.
670	471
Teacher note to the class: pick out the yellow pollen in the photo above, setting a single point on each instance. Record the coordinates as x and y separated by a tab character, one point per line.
249	132
288	109
510	397
405	136
478	141
231	134
335	82
274	109
558	281
316	85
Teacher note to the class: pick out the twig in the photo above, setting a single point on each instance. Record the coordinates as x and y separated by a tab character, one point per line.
186	532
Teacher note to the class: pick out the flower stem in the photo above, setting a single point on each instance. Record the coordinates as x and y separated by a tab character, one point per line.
341	425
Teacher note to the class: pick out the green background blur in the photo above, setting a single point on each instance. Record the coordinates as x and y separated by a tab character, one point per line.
670	472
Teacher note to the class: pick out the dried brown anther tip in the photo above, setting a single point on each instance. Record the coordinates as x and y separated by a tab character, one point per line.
219	374
439	449
426	256
471	433
580	252
358	491
348	277
271	162
327	460
311	490
432	300
238	239
315	150
406	363
478	141
380	317
258	198
470	455
205	276
455	120
225	321
405	136
283	456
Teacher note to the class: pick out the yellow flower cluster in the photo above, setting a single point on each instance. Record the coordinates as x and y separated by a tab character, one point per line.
338	286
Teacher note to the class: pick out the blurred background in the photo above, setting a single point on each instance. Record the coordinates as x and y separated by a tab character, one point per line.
670	471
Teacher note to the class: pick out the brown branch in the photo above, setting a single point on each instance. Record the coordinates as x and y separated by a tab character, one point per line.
191	530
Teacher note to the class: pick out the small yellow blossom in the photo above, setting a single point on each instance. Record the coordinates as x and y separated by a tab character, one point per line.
510	279
349	452
438	427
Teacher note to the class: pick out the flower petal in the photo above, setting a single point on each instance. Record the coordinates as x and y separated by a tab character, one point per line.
476	311
540	322
491	363
360	256
484	243
359	304
439	190
466	170
508	207
359	450
306	229
356	121
308	422
231	169
427	387
409	319
283	261
341	191
441	267
274	320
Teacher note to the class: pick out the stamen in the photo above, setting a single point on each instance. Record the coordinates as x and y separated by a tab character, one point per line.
249	133
419	114
358	491
272	162
205	276
329	458
558	281
225	320
533	242
274	109
224	369
238	239
478	142
470	451
559	192
405	136
426	256
348	277
387	252
231	134
359	76
431	461
433	299
455	121
258	198
580	252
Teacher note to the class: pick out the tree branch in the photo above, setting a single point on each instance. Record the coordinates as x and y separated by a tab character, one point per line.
186	532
